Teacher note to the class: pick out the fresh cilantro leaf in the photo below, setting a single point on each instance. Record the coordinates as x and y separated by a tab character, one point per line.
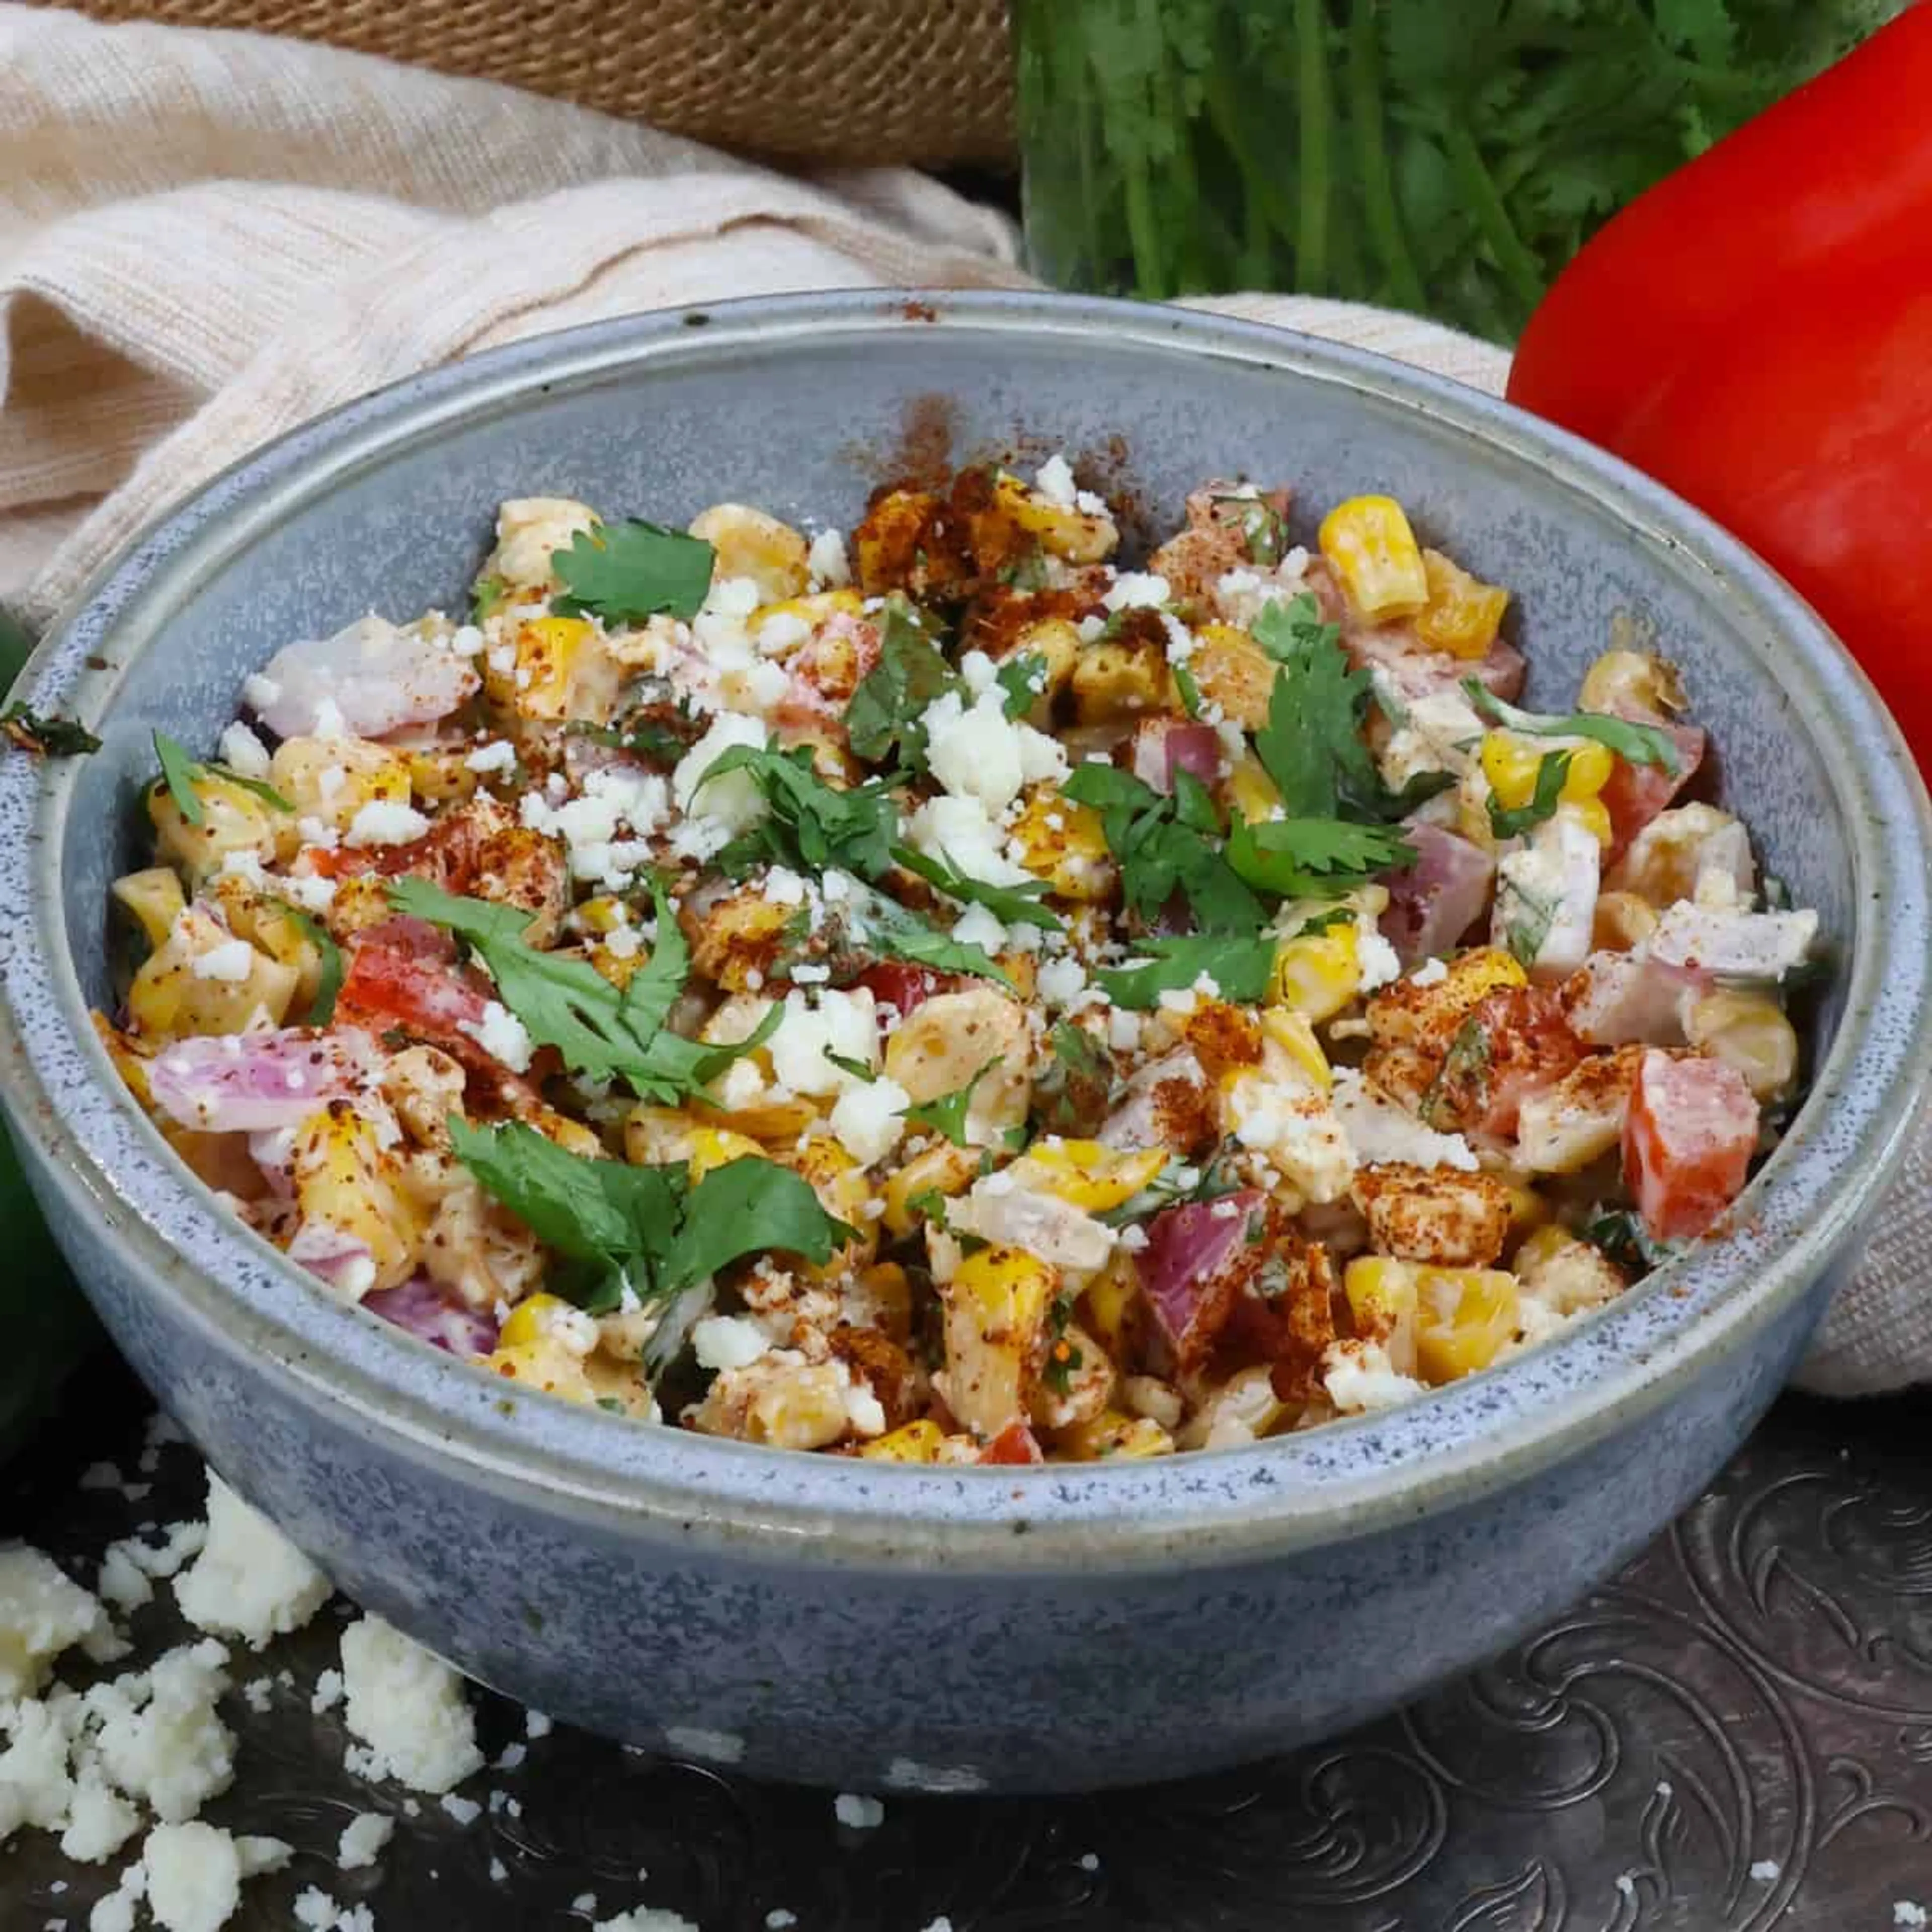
1511	822
329	974
1620	1233
1240	967
647	1229
1177	1184
1164	846
54	737
813	825
1023	679
1077	1050
946	1114
857	1069
1062	1358
1291	630
1527	919
601	1031
1465	1065
898	933
1312	746
488	595
1189	690
1637	744
1012	905
882	718
741	1208
1025	573
1322	922
1313	858
180	773
930	1202
625	573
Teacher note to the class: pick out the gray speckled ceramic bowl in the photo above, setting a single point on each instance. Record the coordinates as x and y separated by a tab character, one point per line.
881	1626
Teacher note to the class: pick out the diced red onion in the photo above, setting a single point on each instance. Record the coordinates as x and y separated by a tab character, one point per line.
426	1312
1162	746
342	1261
252	1082
1433	902
1189	1271
376	678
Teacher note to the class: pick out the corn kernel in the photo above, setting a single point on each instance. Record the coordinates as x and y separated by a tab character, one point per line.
1632	680
1463	613
1070	534
1370	548
713	1148
751	543
916	1442
995	1310
1293	1033
1071	855
1381	1297
155	898
1108	1308
1540	1246
819	607
1317	974
1251	793
557	672
1114	682
1748	1031
1231	670
1088	1175
1464	1316
1112	1433
532	1320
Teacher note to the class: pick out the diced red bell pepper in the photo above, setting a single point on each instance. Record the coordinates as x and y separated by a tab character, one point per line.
904	987
390	984
1688	1140
1014	1443
1635	794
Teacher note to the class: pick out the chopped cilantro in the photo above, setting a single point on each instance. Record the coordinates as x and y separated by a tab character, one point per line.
898	933
1621	1234
1313	858
1190	691
1637	744
930	1202
883	719
625	573
857	1069
1512	821
1023	679
329	974
648	1229
1527	919
812	824
1012	905
945	1113
53	736
1321	921
1465	1065
1077	1050
488	595
1166	845
1240	967
180	773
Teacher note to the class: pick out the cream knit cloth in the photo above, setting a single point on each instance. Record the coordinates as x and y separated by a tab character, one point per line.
205	239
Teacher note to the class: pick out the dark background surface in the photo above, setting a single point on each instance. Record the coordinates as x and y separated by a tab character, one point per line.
1755	1691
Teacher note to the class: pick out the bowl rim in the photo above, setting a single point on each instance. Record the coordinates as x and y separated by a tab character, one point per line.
103	1159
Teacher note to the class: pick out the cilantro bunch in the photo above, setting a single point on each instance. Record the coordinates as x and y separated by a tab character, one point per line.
1445	156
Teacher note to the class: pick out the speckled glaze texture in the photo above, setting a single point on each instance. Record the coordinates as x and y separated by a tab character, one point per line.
884	1627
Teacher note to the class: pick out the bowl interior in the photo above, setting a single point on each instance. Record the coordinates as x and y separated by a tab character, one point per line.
803	406
806	433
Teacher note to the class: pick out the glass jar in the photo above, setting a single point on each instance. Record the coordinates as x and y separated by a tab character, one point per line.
1444	156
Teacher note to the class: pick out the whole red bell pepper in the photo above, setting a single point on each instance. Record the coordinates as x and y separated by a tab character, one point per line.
1755	332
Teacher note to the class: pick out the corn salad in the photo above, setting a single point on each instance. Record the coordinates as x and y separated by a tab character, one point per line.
931	993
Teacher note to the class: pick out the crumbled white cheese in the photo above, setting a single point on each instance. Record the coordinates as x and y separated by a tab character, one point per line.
1296	1130
1361	1378
1376	957
42	1613
259	692
1062	981
1430	973
779	1920
309	891
407	1707
844	1023
194	1876
960	833
827	559
384	821
161	1740
249	1581
977	926
778	634
465	1811
327	1692
1053	481
1136	589
1763	946
115	1912
858	1813
501	1035
1904	1912
645	1918
974	753
729	1341
732	801
868	1117
498	755
243	753
1766	1871
1546	901
536	1725
230	963
979	671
